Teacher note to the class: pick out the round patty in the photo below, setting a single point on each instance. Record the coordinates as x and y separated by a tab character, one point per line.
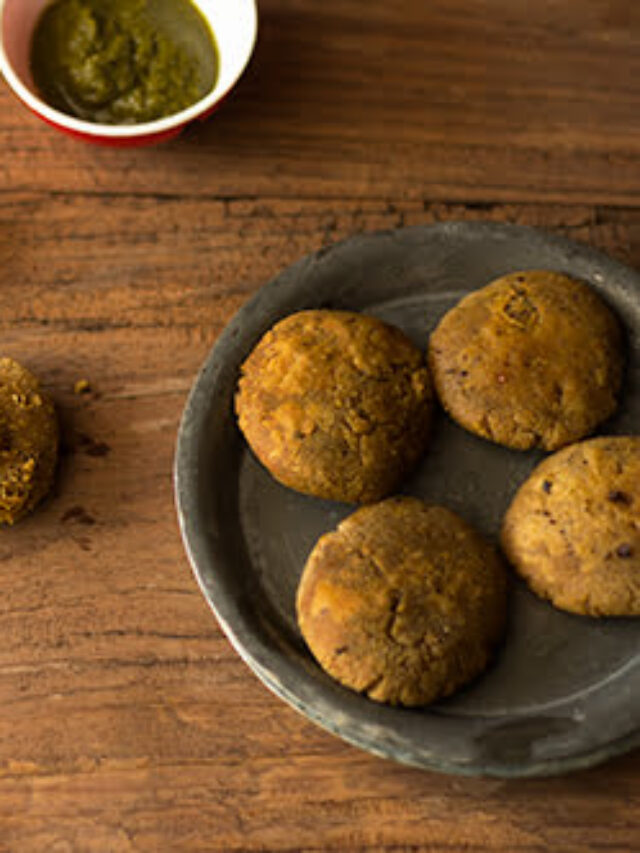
28	441
336	404
533	359
573	528
404	602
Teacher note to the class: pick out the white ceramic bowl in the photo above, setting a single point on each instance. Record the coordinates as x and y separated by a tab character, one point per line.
234	25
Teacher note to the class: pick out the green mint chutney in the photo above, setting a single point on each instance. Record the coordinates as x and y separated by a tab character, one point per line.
123	61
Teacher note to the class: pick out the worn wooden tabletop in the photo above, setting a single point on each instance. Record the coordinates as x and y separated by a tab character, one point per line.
127	722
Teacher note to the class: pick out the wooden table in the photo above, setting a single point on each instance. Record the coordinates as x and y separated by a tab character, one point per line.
127	722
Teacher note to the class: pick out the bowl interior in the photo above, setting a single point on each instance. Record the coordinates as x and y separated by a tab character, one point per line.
234	30
18	22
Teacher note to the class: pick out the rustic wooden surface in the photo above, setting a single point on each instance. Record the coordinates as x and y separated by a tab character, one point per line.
127	723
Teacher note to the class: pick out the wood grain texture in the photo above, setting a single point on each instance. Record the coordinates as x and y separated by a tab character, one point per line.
457	99
127	722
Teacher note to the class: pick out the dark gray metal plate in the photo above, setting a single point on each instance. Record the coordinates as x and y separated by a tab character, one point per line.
565	690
